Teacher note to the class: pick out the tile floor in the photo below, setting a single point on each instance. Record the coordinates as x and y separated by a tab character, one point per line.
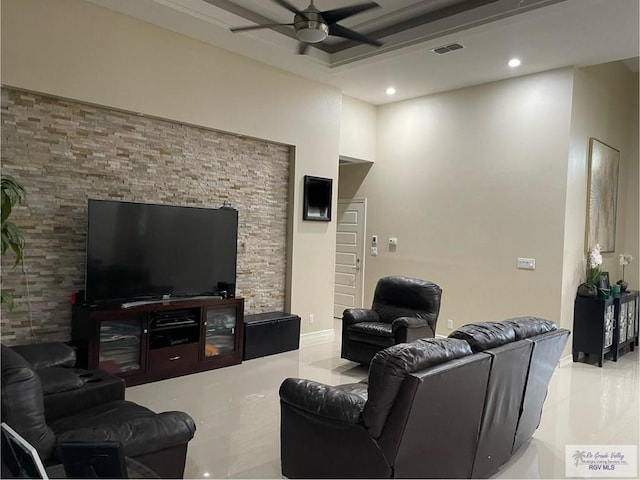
237	411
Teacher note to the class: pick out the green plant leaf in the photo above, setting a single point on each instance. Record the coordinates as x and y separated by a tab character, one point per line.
5	242
593	276
7	300
13	189
12	193
6	206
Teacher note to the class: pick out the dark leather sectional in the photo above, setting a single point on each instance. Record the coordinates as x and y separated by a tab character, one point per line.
47	401
456	407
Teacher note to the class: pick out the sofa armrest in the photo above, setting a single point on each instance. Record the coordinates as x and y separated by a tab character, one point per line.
139	435
408	322
408	329
51	354
344	403
357	315
97	388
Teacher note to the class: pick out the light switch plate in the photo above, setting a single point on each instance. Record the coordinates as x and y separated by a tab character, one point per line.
527	263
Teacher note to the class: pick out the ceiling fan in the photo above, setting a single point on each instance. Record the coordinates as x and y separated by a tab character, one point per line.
312	25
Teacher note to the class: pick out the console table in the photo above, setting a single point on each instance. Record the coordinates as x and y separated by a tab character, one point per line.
153	341
605	326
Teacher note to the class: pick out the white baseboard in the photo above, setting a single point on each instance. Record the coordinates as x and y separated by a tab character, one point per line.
313	338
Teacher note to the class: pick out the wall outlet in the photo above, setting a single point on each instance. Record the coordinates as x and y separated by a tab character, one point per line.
311	318
450	324
374	251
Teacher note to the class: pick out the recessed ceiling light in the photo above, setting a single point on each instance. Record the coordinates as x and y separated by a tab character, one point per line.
391	91
514	62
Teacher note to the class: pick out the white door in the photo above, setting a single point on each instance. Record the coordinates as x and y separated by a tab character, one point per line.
349	255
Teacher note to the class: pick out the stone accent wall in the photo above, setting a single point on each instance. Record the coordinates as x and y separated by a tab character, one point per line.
65	152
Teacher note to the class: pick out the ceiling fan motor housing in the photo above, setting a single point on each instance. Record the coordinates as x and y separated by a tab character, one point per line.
310	27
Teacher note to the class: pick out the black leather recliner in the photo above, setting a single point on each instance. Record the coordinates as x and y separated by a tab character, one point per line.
86	406
404	309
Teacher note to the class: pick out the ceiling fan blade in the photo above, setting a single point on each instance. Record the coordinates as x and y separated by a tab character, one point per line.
333	16
256	27
339	31
288	6
302	48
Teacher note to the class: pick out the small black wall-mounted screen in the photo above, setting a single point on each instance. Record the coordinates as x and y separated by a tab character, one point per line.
317	198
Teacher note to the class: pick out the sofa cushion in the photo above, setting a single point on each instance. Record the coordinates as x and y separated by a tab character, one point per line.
49	354
377	329
22	405
389	368
484	335
397	296
526	327
59	379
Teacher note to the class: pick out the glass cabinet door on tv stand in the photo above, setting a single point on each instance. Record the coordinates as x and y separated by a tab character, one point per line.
121	344
220	331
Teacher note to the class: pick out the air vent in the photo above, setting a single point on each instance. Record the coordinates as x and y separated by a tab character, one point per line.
447	48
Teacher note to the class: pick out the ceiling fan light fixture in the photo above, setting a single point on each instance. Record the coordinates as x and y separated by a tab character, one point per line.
313	26
311	31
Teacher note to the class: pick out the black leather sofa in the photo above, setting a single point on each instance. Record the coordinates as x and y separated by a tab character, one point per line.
455	407
47	400
403	309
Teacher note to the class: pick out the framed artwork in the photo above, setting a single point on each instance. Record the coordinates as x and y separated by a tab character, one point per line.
604	280
317	198
602	196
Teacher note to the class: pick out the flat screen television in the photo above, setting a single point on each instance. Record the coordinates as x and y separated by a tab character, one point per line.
138	251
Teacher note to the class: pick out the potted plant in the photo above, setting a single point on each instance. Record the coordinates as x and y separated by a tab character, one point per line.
590	287
625	259
12	193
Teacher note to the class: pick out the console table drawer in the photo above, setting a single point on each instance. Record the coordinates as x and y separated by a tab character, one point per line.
179	357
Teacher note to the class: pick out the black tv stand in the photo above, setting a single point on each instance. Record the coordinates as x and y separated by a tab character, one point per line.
157	339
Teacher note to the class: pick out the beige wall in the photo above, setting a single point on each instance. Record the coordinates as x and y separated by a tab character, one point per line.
357	130
632	234
604	106
77	50
468	181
